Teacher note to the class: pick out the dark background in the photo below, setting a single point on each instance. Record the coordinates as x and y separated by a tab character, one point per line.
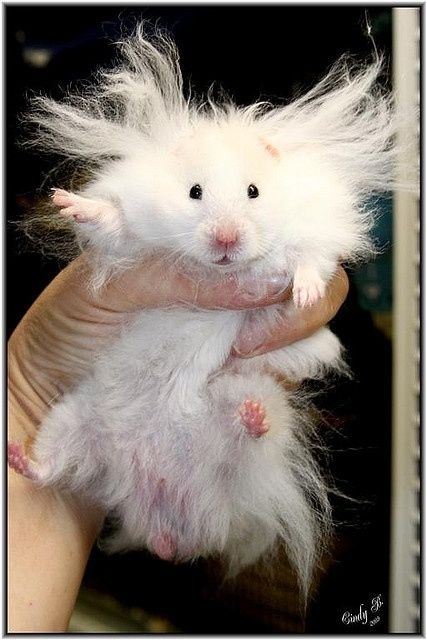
252	52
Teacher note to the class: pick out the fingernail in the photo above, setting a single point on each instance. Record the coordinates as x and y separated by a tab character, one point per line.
249	341
250	354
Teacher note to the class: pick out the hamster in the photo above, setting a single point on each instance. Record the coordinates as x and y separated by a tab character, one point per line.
195	452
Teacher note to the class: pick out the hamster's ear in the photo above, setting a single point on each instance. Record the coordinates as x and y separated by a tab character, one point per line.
270	148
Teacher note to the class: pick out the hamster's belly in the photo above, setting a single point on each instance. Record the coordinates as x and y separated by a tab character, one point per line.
178	464
181	477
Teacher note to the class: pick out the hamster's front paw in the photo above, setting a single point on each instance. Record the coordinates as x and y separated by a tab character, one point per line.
308	286
80	208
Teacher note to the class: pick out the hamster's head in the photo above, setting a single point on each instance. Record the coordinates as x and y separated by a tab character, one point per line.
226	178
228	199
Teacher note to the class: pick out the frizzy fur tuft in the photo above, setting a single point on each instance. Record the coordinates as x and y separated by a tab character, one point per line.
141	101
351	118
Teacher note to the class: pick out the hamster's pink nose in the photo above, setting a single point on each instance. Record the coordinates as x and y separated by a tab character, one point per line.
226	237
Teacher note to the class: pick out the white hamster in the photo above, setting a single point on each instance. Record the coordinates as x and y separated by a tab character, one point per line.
193	451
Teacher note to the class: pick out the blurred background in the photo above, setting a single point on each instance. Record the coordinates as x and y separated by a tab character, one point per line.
370	423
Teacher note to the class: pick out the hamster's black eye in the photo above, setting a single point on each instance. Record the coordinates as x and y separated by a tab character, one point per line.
253	191
196	192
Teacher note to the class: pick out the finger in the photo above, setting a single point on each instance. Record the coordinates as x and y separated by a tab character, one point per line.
152	284
295	326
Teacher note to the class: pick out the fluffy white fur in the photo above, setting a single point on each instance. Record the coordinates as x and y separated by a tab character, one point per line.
154	435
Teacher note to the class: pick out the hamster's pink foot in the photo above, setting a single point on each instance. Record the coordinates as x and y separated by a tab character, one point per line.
82	209
252	415
21	463
165	546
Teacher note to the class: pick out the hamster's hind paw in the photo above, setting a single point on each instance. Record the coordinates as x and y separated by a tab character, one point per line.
21	463
252	415
165	547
